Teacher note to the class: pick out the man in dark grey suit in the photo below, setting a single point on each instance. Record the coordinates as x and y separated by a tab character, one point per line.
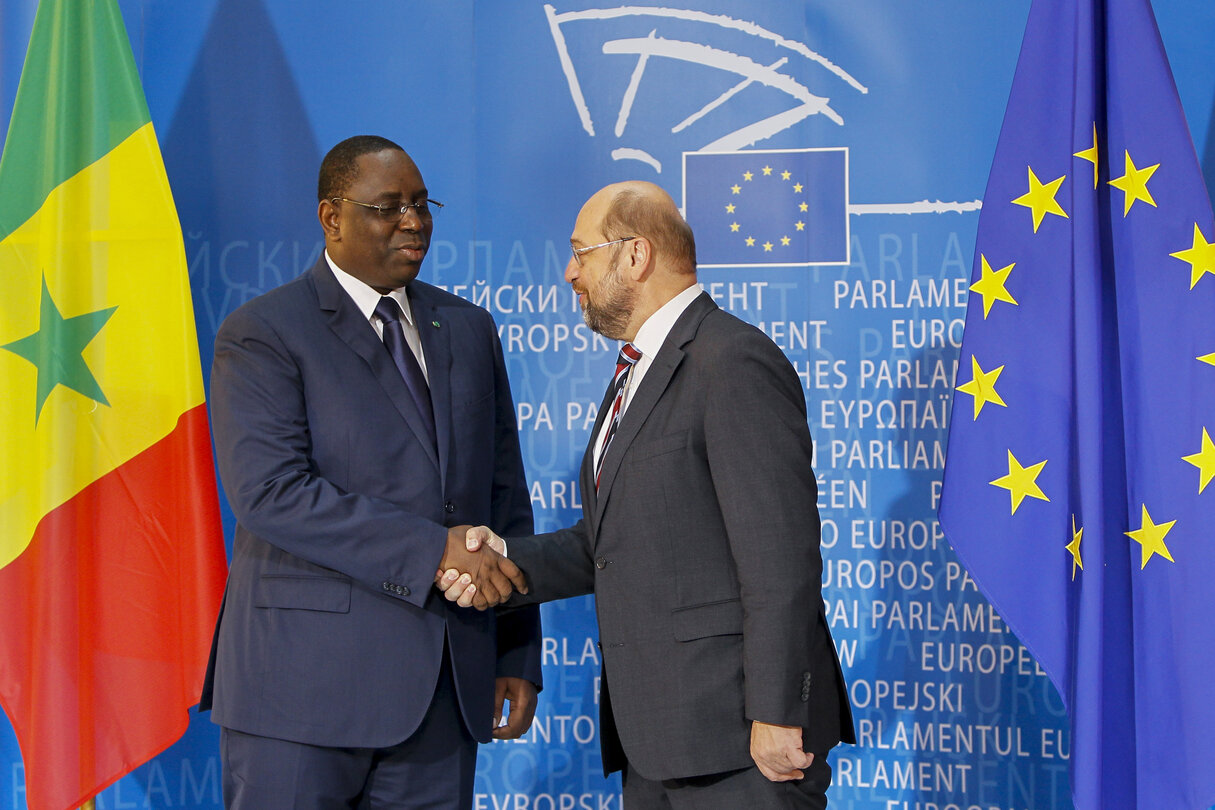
361	417
700	535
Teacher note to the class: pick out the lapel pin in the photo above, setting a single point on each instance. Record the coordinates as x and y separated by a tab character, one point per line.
435	324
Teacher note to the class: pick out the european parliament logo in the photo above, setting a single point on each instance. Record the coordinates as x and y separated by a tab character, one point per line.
656	85
768	208
673	79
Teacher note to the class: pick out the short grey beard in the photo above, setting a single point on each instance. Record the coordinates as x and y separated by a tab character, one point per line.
611	319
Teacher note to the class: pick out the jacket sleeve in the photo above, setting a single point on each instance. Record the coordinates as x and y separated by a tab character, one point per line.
557	565
759	452
262	440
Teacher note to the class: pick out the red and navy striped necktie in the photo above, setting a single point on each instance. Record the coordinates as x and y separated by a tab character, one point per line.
629	354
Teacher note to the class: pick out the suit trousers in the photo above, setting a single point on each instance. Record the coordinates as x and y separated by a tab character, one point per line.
732	790
431	770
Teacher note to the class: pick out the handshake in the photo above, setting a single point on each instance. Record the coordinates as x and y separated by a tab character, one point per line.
473	571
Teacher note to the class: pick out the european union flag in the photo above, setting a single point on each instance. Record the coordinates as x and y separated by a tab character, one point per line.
768	208
1077	479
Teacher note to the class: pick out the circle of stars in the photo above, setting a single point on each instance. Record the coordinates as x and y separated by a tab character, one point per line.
785	240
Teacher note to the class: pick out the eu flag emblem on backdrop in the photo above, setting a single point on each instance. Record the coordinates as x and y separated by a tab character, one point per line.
768	208
1077	479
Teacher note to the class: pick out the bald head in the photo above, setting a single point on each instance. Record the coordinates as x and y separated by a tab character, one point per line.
637	208
633	253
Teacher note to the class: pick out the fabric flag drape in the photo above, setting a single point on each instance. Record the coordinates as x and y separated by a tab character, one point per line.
1077	477
111	552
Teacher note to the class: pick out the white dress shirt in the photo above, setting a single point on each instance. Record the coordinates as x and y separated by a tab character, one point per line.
366	299
650	337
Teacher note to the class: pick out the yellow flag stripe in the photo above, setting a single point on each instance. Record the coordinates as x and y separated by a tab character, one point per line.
106	237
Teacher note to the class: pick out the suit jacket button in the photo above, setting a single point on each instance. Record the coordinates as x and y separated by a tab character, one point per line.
403	590
805	696
600	563
449	507
387	585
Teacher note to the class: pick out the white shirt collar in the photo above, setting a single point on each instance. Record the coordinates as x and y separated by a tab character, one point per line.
653	333
364	296
650	337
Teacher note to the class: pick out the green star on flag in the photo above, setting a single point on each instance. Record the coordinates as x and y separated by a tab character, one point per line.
56	350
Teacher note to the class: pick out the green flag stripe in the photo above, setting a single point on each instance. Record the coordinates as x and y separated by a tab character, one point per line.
78	98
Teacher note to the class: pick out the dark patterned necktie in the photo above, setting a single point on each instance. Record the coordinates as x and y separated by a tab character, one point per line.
629	354
389	313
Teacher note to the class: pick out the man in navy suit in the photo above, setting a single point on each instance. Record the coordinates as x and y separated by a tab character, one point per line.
362	420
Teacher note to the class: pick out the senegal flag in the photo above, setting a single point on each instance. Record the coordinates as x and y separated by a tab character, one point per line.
111	553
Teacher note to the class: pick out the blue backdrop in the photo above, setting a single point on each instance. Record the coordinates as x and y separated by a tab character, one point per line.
516	112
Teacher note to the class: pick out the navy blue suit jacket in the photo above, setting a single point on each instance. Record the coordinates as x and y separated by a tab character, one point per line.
331	632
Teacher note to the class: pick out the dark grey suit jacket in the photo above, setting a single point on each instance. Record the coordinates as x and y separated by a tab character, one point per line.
331	632
702	549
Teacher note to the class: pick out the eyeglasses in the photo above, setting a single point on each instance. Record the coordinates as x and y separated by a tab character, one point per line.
425	209
578	251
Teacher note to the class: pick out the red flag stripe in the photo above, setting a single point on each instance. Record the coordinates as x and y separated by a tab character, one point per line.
108	615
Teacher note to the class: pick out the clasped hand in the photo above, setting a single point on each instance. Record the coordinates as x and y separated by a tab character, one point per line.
473	572
778	753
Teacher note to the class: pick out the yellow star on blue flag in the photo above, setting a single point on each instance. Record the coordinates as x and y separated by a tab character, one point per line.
774	208
1098	376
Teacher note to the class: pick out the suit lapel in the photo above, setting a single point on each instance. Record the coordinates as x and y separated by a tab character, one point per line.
644	399
590	497
647	395
436	345
356	332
